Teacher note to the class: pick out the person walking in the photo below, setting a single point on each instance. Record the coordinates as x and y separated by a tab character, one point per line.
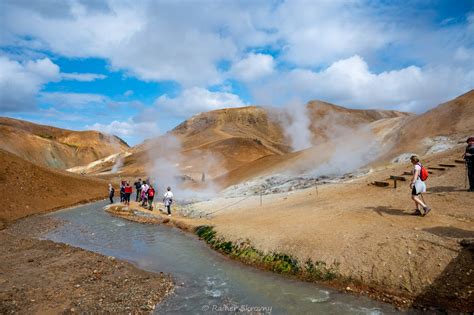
168	200
418	186
128	193
111	193
469	160
144	193
122	191
151	196
138	187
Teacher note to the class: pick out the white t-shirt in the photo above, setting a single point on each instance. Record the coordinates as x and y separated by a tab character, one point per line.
417	168
145	188
168	197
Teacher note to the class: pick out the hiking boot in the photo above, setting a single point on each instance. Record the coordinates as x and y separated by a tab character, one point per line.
416	212
427	210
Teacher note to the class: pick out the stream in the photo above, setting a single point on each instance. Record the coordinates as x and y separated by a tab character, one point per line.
206	281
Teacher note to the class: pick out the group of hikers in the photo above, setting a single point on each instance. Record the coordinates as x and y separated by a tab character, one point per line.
145	194
420	174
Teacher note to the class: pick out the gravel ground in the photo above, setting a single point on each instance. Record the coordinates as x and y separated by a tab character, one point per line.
39	276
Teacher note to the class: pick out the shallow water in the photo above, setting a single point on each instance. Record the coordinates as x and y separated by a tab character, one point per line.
206	282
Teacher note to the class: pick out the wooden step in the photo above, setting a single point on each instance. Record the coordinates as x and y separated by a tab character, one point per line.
436	168
381	184
395	178
460	161
447	165
407	173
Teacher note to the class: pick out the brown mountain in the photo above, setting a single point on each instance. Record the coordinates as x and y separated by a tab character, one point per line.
221	141
27	188
453	120
55	147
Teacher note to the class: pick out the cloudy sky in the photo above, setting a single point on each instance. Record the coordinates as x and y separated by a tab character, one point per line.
138	68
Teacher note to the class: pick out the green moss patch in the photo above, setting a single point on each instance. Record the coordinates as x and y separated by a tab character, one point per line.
276	262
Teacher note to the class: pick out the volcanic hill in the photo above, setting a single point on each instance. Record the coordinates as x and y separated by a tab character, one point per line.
224	140
55	147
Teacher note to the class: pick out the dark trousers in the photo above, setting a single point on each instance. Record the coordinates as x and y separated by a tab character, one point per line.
139	192
470	174
168	207
111	197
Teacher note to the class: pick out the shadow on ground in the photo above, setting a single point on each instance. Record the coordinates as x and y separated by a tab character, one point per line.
454	287
447	231
387	210
444	189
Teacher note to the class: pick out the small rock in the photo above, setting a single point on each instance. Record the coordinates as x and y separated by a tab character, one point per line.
409	252
77	285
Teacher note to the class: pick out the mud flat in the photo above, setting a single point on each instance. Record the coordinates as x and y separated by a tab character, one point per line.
41	276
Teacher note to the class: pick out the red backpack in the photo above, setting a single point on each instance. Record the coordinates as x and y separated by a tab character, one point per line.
423	173
151	192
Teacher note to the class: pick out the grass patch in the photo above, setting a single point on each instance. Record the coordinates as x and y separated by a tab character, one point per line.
276	262
71	145
45	136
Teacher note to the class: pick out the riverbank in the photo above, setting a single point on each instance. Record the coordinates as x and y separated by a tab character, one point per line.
366	234
39	276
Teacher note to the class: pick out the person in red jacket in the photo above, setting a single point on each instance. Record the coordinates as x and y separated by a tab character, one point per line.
128	193
151	195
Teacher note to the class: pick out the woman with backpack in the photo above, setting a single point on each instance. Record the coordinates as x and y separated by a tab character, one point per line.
418	186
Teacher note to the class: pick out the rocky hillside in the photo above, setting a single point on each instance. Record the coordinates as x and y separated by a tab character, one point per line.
55	147
442	127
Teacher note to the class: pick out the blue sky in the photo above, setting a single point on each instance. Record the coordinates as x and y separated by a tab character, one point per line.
138	68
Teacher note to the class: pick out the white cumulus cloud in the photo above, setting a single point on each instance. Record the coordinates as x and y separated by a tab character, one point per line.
350	82
20	82
195	100
253	67
127	129
82	77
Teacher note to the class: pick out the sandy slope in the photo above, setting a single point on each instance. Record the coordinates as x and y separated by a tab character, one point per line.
368	231
27	188
55	147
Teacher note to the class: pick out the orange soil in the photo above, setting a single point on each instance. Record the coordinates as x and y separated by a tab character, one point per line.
27	188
